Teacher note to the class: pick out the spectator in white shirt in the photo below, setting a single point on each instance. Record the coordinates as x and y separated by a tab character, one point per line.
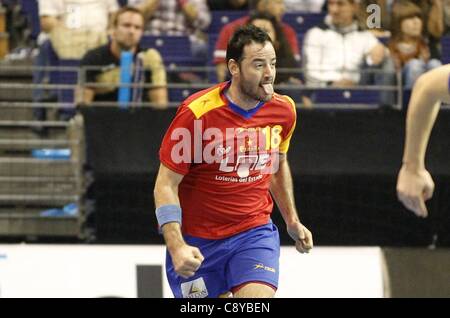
336	53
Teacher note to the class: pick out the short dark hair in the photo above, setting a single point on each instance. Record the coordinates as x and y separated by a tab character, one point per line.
124	10
243	36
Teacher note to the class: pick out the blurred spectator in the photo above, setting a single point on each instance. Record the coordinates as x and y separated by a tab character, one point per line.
408	46
228	5
178	17
338	52
335	51
75	26
126	35
311	6
433	19
273	7
69	28
447	17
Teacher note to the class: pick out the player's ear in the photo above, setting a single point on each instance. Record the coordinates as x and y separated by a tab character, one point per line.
233	67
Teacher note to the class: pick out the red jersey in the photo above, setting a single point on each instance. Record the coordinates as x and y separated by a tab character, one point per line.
226	155
227	31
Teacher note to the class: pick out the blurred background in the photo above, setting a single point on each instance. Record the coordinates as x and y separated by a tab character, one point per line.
79	139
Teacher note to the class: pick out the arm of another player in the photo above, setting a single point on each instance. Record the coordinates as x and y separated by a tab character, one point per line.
186	259
414	184
282	190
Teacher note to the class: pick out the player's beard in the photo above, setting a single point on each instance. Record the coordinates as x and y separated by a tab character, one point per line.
249	89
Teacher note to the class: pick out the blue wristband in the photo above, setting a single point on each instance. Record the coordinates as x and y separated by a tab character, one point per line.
168	213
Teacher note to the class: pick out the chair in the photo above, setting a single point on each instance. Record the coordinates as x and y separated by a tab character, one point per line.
212	39
173	49
177	95
347	96
302	22
445	42
67	75
221	18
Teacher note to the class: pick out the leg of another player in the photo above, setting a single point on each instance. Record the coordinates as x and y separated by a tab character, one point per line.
255	290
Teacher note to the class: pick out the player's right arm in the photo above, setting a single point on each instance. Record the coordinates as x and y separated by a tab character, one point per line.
414	184
186	259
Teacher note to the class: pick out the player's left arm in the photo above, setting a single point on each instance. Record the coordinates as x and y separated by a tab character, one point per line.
282	190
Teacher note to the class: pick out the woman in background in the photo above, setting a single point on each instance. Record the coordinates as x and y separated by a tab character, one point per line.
408	46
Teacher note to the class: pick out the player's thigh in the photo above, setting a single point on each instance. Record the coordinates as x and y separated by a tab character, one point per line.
255	258
255	290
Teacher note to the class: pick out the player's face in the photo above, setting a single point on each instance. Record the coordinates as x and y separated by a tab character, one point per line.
257	71
129	30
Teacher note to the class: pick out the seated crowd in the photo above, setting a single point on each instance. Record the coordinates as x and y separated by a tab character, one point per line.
320	44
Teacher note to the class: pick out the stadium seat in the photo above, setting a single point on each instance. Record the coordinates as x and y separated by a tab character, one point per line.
347	96
68	75
300	39
302	22
221	18
445	41
179	94
173	49
167	45
212	39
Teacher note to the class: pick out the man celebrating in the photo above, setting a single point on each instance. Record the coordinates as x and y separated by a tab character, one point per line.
224	151
414	184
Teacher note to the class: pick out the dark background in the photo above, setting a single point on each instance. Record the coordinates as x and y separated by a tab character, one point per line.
344	165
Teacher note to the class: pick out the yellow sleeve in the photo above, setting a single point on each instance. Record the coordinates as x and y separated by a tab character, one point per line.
284	146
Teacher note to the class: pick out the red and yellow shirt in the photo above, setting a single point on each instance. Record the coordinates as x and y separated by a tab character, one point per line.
227	156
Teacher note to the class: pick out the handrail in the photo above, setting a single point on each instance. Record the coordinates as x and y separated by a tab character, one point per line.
34	123
39	179
42	142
